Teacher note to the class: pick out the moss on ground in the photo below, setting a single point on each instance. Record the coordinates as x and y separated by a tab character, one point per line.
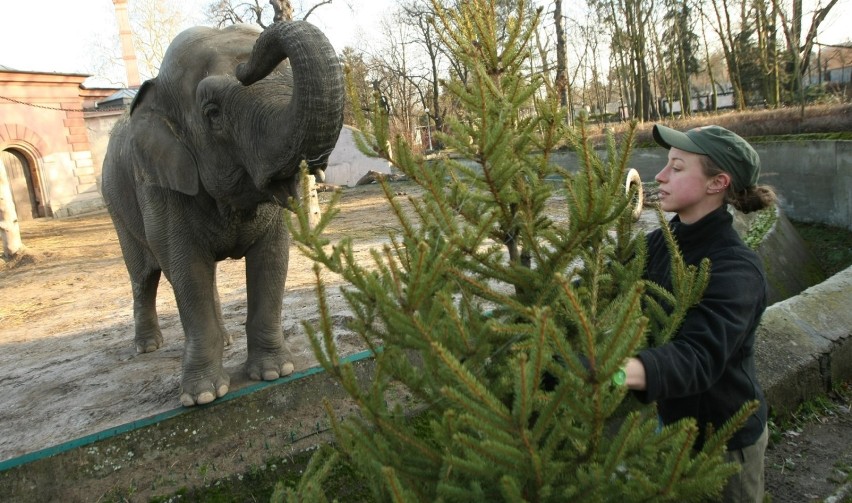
258	484
832	246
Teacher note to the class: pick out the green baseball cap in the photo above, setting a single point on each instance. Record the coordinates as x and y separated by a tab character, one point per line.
727	149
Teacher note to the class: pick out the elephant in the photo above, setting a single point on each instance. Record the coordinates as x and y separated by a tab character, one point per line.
204	167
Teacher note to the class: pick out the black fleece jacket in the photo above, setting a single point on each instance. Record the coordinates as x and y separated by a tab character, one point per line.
707	370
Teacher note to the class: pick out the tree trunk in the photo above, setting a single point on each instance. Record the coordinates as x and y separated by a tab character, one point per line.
561	55
283	10
731	48
9	229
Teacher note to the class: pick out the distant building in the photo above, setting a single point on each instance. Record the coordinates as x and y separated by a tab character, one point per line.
830	65
702	102
52	140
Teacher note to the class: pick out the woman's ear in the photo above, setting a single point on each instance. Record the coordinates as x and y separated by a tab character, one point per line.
719	183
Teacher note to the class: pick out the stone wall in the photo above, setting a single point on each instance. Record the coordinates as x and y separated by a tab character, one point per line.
804	344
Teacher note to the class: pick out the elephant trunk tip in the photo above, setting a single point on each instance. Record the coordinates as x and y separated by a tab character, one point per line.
248	77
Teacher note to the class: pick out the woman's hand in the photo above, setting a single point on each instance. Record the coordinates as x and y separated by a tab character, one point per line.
635	374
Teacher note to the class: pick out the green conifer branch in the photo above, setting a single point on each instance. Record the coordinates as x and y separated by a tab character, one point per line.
482	292
688	285
310	486
468	387
395	488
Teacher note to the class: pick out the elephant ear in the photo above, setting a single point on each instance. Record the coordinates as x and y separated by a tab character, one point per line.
162	159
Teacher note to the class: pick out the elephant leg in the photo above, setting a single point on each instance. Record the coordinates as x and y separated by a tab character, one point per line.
144	280
266	272
226	337
204	378
148	335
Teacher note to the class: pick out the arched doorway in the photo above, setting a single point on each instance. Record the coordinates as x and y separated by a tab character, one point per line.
25	191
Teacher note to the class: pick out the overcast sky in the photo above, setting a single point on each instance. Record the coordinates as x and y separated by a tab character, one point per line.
59	35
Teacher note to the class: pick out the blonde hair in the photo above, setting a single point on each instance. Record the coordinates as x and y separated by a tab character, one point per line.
752	198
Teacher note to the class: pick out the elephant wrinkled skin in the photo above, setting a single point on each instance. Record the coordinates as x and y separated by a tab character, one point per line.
201	171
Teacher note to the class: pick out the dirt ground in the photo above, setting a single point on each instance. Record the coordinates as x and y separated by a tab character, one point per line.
813	461
68	366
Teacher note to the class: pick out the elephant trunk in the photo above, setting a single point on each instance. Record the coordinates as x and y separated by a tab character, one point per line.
311	123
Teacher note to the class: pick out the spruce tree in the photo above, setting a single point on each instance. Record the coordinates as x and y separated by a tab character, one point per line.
507	320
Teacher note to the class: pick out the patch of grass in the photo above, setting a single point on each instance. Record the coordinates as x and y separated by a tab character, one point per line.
842	473
256	484
812	411
819	122
843	135
765	220
259	482
832	246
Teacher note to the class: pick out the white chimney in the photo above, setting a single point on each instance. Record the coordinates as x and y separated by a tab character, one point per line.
128	53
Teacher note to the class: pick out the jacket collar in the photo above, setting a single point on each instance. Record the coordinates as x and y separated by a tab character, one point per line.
704	229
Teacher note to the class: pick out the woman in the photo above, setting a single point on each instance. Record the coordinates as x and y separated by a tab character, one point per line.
707	370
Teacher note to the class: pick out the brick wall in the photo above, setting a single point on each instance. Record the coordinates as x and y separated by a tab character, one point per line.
42	118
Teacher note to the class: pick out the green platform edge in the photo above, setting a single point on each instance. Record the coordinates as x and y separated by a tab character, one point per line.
162	416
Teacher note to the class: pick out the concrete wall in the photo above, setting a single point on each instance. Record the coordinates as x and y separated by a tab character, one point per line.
813	178
788	273
99	124
804	344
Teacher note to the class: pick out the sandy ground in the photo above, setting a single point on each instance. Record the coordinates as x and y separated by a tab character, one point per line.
68	366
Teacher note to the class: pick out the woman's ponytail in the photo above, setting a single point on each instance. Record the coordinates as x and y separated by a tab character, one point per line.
754	198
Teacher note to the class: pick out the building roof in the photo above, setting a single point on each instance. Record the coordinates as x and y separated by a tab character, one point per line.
4	68
119	99
835	56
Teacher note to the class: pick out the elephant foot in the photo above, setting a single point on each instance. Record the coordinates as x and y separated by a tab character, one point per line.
148	342
269	367
205	389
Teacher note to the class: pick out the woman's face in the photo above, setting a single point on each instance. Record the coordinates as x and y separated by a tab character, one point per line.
685	189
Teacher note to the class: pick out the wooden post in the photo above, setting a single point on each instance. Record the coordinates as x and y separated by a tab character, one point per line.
313	202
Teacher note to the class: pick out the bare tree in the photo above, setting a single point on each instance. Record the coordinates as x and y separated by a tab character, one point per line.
729	36
259	12
561	54
768	50
283	10
357	76
155	24
419	14
799	49
587	77
398	76
631	19
228	12
708	61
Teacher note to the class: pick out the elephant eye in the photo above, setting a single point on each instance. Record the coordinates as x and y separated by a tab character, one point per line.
213	114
